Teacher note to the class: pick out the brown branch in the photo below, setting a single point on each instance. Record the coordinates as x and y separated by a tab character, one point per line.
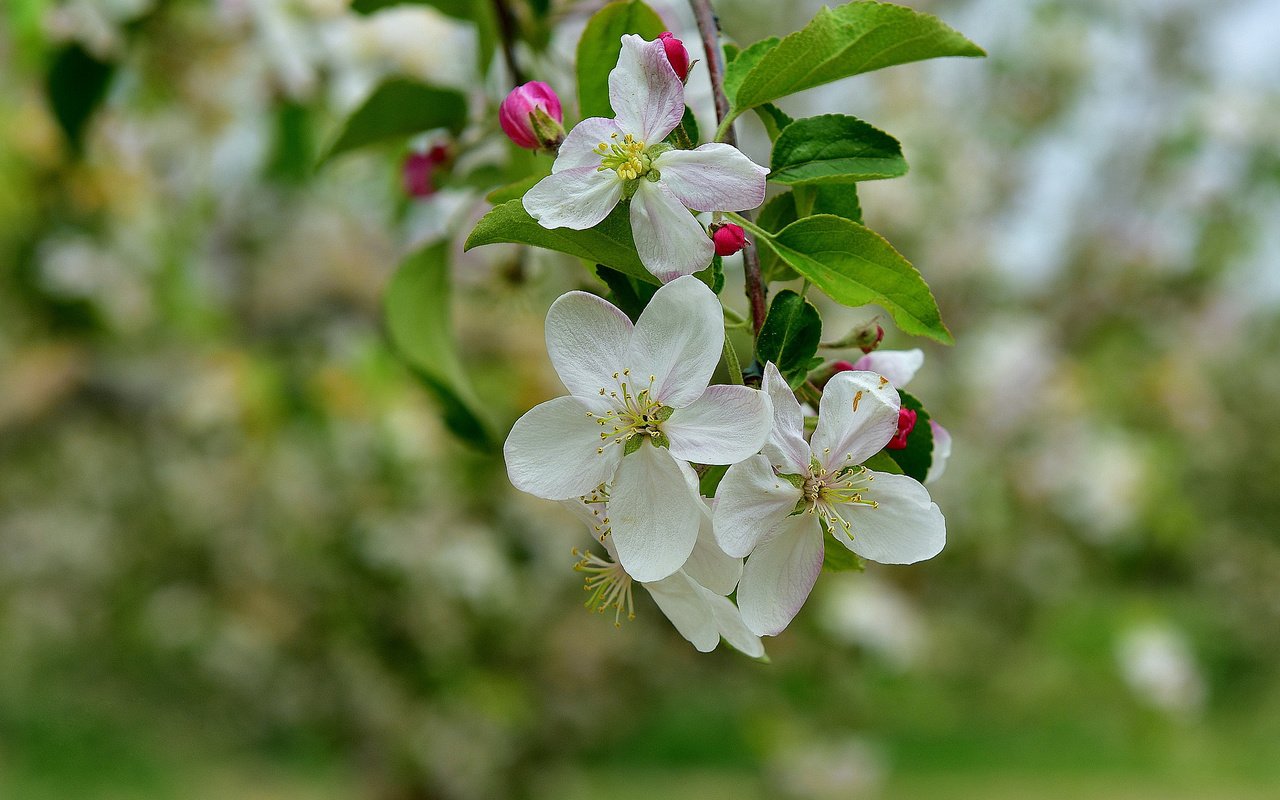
507	33
709	31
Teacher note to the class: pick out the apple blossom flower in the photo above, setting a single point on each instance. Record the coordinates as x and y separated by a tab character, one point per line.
728	238
676	54
693	598
775	506
639	408
900	366
531	116
606	161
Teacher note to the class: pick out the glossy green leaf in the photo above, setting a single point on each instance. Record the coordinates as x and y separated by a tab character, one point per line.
915	458
608	243
837	43
743	62
784	209
399	108
838	558
790	335
774	119
627	293
834	148
882	462
599	47
855	266
416	308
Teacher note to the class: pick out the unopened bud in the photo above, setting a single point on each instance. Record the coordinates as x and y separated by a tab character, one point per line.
419	171
866	337
906	424
728	238
676	54
531	116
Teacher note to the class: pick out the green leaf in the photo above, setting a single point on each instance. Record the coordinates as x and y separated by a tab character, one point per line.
608	243
882	462
743	63
849	40
777	214
915	458
781	210
459	9
710	480
625	292
713	275
834	149
416	308
76	85
855	266
514	191
775	120
790	335
838	558
599	47
840	199
685	135
400	107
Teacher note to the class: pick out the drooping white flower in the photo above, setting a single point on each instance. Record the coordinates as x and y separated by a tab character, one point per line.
639	408
774	506
693	597
605	161
900	366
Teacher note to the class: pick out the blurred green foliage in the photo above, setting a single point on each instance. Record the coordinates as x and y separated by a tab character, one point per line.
241	557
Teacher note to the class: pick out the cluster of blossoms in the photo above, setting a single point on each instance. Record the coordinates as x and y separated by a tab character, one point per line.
626	449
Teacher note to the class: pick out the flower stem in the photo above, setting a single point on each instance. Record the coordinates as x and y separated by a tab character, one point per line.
709	30
731	362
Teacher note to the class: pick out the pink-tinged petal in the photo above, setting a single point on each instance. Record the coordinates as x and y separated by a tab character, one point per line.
646	95
710	566
587	340
732	628
941	452
677	340
899	366
670	241
714	177
551	450
685	604
786	449
723	426
751	503
576	198
906	526
579	147
856	419
653	514
779	576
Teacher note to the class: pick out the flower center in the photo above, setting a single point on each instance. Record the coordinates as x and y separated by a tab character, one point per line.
634	414
626	157
609	585
825	492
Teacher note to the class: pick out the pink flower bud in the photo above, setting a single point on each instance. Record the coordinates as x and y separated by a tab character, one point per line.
676	54
728	238
419	171
842	366
906	424
871	342
532	117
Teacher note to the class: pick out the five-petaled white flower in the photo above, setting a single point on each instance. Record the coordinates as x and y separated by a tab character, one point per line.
774	506
900	366
604	161
639	405
693	597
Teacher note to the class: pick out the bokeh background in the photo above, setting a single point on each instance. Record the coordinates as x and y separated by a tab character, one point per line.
241	557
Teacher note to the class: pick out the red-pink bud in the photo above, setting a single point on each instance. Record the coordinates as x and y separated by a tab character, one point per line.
842	366
872	342
676	54
906	424
521	121
419	171
728	238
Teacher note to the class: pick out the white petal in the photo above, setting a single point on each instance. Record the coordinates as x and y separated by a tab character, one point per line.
670	241
579	148
899	366
905	527
714	177
941	452
678	340
710	566
653	514
587	340
646	95
786	449
751	503
856	419
723	426
551	451
687	608
732	628
576	198
779	575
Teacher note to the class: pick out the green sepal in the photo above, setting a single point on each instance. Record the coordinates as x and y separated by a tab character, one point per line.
795	480
632	444
661	440
663	413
